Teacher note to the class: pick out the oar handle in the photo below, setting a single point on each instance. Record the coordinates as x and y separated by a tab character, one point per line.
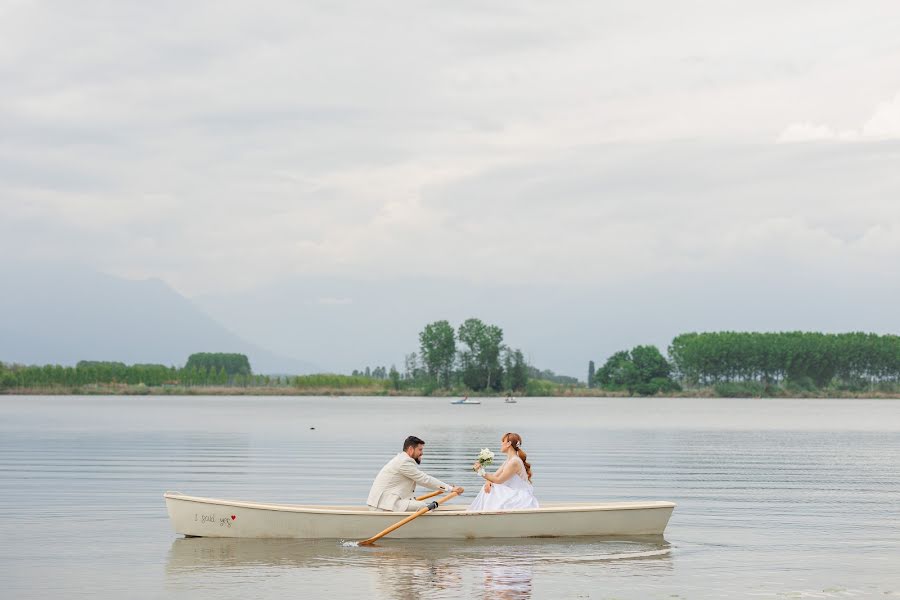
403	522
431	495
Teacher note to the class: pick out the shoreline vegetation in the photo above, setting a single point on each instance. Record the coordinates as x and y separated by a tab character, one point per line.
289	391
705	365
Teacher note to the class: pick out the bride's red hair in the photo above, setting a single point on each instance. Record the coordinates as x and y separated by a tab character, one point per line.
516	441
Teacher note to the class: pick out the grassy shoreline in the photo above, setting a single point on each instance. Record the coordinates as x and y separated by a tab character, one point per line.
561	392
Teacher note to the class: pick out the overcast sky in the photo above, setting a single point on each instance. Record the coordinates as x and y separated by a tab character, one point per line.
220	145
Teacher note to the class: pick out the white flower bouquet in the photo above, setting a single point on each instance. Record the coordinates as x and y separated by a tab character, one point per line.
485	457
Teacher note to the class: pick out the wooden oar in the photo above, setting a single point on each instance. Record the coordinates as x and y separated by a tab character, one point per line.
431	495
415	515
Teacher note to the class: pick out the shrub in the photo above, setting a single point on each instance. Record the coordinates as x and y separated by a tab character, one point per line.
326	380
888	386
800	384
540	387
740	389
7	380
855	384
644	389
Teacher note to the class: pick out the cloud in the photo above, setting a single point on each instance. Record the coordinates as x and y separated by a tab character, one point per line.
810	132
883	124
220	146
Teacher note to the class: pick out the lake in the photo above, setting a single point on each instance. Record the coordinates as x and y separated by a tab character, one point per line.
776	498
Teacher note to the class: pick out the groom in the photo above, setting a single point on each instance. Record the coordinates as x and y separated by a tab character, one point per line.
393	488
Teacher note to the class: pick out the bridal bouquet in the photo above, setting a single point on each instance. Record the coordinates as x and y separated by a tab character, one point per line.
485	457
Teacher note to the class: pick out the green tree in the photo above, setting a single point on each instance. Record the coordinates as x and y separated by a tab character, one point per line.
437	349
650	363
481	364
518	377
394	375
507	369
411	366
234	364
7	378
642	370
618	371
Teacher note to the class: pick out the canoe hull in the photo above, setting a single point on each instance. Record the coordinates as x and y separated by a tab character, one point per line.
210	517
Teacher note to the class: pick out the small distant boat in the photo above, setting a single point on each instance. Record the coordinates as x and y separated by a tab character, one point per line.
210	517
510	400
466	400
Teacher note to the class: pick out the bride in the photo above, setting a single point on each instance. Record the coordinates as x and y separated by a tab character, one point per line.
510	486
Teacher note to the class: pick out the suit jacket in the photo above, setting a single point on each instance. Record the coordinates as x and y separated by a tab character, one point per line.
394	485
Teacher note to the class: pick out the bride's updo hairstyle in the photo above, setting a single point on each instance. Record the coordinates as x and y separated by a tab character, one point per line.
516	441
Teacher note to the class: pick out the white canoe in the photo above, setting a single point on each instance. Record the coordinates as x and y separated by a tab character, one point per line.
210	517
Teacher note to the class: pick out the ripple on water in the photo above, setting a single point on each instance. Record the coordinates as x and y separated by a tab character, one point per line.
790	501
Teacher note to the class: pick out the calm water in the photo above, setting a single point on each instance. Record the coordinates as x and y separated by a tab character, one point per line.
776	498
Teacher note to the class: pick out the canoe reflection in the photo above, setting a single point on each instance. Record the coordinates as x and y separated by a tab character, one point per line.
507	580
417	568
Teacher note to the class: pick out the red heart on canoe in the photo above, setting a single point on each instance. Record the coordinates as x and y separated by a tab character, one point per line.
233	517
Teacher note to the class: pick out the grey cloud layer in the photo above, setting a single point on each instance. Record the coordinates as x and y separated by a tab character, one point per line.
217	145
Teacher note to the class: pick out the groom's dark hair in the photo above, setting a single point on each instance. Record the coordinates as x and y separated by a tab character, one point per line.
411	442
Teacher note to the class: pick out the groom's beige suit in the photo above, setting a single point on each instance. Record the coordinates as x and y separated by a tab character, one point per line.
395	484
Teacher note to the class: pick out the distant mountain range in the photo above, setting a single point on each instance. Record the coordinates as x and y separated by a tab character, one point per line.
354	323
54	315
62	315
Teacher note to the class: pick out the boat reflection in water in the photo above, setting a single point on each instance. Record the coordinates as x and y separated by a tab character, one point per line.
506	579
505	569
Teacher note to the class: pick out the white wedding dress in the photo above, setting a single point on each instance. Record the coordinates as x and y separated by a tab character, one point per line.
515	493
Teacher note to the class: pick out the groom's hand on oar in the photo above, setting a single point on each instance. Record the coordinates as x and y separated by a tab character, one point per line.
459	490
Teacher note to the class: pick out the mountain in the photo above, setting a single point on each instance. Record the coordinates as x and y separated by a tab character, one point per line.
65	314
351	323
62	315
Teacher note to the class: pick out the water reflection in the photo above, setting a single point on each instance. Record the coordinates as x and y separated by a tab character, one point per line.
413	569
404	572
776	498
507	580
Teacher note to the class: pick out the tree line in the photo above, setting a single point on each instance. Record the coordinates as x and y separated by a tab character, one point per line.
818	359
549	375
471	357
201	369
742	363
376	373
231	363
